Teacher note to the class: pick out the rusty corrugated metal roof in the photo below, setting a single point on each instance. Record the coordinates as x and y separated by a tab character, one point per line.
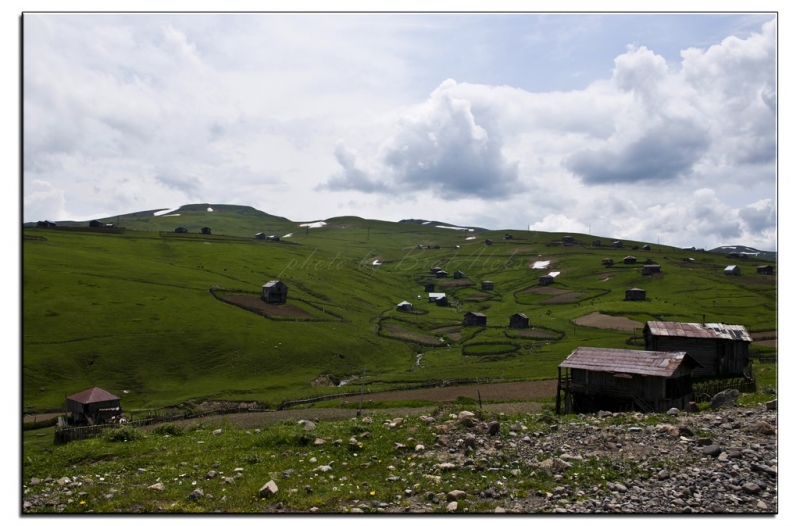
92	395
698	330
645	363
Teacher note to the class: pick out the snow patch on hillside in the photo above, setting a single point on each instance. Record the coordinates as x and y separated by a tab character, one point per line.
317	224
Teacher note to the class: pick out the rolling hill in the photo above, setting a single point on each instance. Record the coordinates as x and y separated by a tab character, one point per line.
160	317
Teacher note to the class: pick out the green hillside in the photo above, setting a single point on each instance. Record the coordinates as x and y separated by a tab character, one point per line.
133	311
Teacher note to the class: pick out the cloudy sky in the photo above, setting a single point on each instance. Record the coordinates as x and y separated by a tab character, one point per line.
653	127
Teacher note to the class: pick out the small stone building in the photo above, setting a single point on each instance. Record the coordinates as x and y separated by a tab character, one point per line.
458	274
205	230
93	406
487	285
474	318
261	236
518	321
274	291
764	269
405	306
546	280
441	274
629	260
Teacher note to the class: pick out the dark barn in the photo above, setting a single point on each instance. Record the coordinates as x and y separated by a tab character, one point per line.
475	318
518	321
274	292
721	350
635	294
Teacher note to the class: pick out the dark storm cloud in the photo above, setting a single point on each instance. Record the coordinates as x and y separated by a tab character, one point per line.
759	218
188	184
663	153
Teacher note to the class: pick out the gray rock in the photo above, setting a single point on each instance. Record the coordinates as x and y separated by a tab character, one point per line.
269	489
197	494
456	495
726	398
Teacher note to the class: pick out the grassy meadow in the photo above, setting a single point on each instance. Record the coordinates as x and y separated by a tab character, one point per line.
133	312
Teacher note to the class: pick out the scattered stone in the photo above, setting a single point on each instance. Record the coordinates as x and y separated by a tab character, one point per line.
217	432
158	486
456	494
452	507
494	427
307	425
764	428
197	494
726	398
712	451
269	489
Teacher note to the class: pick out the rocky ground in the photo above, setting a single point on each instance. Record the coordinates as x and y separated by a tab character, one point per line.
721	461
734	472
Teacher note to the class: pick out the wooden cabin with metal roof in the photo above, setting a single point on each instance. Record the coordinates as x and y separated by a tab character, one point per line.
720	349
93	406
624	379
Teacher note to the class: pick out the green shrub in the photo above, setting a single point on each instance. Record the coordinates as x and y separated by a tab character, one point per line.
168	428
123	434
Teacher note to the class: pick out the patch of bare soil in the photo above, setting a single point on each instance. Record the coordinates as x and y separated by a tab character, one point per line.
400	332
456	283
478	297
532	333
563	298
604	321
765	338
271	310
488	392
546	290
454	332
528	392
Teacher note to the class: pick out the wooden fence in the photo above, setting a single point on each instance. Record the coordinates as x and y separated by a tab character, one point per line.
705	391
68	434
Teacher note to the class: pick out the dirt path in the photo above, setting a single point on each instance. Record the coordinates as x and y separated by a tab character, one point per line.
525	391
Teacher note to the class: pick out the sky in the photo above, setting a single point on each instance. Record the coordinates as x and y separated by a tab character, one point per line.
653	127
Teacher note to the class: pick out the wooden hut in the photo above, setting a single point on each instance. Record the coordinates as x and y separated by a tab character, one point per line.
720	349
442	301
181	230
261	236
441	274
274	291
764	269
624	379
518	321
732	270
475	318
488	242
205	230
635	294
93	406
596	243
546	280
458	274
607	262
94	223
617	244
436	296
487	285
629	260
429	287
405	306
650	269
